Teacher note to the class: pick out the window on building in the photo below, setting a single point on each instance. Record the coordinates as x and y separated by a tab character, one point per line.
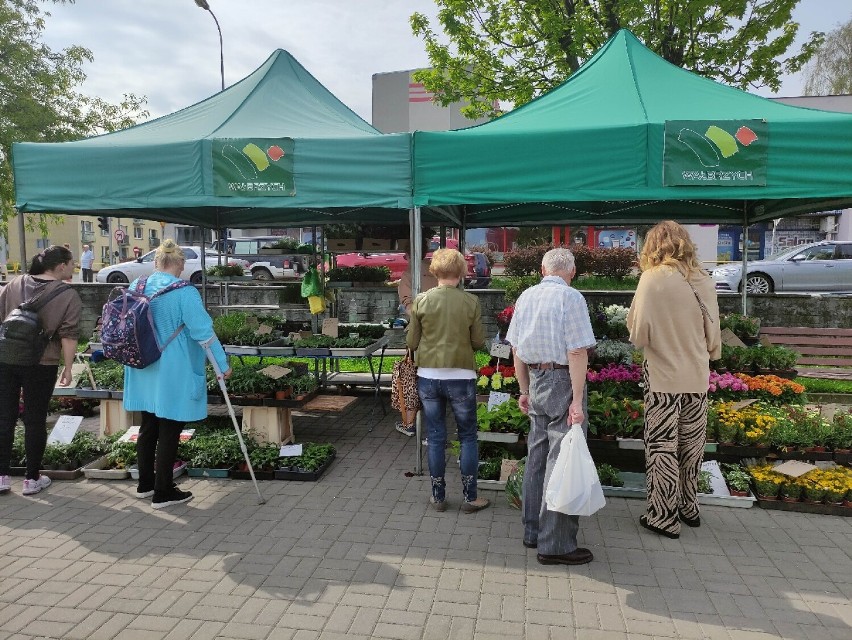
86	225
152	233
105	254
42	243
137	233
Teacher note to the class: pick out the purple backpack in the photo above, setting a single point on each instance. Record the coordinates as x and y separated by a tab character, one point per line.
127	327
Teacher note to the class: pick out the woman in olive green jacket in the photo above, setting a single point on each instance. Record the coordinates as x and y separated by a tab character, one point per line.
444	330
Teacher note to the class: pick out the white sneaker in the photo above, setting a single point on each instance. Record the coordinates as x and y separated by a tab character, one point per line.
5	484
34	486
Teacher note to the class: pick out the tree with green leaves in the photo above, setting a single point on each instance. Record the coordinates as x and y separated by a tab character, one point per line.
514	50
39	100
830	70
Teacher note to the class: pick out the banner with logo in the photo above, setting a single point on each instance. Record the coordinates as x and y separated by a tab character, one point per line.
253	167
728	153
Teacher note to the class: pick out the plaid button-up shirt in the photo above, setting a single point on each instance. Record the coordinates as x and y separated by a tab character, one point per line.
550	319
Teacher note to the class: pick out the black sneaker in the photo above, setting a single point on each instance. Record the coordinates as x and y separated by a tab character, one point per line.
170	497
144	493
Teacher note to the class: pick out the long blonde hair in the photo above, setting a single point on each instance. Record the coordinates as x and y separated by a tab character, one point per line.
668	243
168	254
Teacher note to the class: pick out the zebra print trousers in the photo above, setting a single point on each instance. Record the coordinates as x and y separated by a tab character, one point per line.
675	432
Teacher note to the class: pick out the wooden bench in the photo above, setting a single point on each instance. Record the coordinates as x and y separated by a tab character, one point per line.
823	352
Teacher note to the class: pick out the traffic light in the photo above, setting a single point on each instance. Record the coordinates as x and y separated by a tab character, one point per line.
103	223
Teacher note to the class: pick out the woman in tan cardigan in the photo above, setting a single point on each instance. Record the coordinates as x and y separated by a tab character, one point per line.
674	319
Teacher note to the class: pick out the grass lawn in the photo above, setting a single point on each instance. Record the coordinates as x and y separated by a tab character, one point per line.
821	385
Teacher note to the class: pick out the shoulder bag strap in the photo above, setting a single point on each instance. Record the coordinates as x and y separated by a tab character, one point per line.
171	287
704	311
37	303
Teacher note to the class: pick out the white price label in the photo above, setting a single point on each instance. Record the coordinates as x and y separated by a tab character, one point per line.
496	398
289	450
64	430
502	351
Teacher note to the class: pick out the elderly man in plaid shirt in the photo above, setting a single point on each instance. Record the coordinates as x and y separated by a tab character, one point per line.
550	333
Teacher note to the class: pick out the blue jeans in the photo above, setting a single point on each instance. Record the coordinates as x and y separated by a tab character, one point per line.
461	395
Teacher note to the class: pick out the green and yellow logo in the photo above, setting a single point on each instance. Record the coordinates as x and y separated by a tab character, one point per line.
727	153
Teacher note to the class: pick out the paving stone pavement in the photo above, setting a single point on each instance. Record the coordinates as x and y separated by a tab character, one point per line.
360	555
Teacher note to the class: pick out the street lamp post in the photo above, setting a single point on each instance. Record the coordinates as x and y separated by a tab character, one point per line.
203	4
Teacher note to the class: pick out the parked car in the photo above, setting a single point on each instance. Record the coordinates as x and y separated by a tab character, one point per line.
144	266
280	266
478	270
821	266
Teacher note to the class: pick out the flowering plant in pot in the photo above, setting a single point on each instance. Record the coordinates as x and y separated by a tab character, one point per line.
737	479
504	319
767	483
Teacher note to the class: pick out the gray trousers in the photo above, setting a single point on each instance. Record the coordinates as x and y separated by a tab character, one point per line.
550	397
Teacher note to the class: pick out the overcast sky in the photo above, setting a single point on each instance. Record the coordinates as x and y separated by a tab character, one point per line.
168	50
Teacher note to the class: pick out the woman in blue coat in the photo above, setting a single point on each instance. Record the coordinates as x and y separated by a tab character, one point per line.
173	390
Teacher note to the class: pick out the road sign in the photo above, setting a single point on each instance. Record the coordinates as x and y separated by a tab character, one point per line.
119	235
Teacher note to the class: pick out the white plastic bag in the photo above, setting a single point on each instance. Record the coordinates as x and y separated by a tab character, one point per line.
574	487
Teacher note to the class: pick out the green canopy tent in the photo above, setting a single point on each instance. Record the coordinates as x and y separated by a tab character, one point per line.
275	148
632	139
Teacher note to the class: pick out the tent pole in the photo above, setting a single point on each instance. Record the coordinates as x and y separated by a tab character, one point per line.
415	238
22	242
744	256
204	269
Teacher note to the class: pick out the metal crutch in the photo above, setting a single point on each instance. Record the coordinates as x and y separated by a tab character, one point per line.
221	379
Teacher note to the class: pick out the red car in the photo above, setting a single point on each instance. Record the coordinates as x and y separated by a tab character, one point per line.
478	269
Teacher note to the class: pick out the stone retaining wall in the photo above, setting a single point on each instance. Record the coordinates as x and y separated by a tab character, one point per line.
379	304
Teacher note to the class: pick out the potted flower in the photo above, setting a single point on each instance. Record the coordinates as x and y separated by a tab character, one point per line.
737	479
767	483
704	485
790	491
504	319
247	383
745	328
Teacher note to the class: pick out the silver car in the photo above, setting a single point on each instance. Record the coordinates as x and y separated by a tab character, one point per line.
821	266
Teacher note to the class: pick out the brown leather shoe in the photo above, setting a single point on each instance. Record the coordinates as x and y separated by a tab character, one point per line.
475	505
577	556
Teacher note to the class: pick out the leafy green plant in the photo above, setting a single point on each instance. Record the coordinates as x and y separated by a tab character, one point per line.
284	243
314	342
121	455
610	476
374	331
704	482
736	477
216	450
247	379
264	456
225	270
489	469
352	343
781	358
313	457
304	384
504	418
841	436
742	326
228	325
359	274
108	374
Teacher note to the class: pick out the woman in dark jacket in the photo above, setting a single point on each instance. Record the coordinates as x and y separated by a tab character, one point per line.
59	318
